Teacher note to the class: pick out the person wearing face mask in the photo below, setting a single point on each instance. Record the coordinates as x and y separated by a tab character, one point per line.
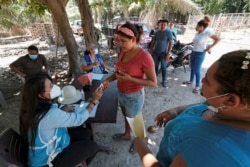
92	61
214	133
45	128
31	64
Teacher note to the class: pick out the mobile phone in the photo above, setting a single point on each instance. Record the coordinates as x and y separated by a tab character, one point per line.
101	86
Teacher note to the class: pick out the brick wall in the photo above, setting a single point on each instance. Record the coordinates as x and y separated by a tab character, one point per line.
41	30
45	30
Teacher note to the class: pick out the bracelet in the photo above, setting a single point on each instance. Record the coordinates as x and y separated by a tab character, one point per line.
91	101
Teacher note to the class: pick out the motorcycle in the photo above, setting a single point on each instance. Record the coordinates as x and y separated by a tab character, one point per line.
180	55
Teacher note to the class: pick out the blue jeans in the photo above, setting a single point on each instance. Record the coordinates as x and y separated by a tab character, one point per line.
196	61
161	58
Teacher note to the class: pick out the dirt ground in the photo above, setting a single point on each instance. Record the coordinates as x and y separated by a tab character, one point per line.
158	99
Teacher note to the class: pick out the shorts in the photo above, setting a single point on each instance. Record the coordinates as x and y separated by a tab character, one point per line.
133	102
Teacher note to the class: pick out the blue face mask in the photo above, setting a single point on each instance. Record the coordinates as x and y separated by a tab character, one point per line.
33	57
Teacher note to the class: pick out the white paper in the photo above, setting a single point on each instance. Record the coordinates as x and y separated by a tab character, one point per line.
137	125
97	76
84	104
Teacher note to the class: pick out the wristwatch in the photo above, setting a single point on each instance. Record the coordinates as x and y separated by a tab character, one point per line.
90	100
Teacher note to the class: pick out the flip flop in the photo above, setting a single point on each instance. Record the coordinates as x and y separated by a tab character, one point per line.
119	136
131	148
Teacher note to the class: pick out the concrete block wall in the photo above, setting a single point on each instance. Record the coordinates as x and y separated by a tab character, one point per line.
41	30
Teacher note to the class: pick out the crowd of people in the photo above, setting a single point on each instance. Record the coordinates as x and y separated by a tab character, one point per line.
215	132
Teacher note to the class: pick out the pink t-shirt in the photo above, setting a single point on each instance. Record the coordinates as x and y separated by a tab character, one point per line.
134	67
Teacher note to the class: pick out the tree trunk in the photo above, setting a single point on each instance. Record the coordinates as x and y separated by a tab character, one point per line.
87	22
99	14
57	8
125	12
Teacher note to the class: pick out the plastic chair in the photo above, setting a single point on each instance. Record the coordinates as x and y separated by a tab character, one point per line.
11	151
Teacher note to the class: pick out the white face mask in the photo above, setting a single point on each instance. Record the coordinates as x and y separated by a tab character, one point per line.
212	108
55	92
96	51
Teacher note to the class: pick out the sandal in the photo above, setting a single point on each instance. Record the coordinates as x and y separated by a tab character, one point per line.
131	148
196	90
119	136
187	83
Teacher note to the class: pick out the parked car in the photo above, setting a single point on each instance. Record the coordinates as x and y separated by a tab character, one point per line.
146	39
77	29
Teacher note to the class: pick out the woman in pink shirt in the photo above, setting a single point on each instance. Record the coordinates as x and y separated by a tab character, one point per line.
134	70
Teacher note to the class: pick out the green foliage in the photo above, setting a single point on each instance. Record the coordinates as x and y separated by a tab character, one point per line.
20	12
131	1
33	7
4	2
5	14
224	6
246	8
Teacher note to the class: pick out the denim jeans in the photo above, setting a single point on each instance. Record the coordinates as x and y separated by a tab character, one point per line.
196	61
161	58
133	102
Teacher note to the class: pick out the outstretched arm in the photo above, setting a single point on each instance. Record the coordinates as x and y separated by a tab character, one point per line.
147	157
107	81
163	118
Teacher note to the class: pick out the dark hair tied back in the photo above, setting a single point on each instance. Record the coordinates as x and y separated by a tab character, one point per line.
204	22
